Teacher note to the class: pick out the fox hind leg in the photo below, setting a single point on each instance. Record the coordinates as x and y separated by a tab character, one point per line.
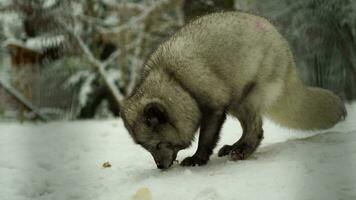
251	138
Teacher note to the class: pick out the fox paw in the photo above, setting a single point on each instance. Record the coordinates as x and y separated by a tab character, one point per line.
236	152
236	155
225	150
193	161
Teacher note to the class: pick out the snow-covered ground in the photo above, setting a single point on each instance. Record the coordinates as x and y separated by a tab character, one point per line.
63	161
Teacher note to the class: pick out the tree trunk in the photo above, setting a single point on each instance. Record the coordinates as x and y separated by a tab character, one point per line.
196	8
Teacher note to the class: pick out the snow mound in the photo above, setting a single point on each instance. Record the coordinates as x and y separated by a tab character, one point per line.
65	161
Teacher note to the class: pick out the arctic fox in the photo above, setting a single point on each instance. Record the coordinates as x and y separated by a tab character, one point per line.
223	63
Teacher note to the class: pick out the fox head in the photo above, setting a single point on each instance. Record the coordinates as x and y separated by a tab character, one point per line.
161	117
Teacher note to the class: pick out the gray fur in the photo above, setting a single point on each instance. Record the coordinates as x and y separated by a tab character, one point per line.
223	63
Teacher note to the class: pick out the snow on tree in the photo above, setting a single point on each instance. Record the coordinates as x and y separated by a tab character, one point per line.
110	39
122	32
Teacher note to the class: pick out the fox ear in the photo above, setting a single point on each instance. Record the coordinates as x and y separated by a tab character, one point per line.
155	114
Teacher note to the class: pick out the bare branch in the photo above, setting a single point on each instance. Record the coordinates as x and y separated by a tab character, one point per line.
126	5
135	20
13	92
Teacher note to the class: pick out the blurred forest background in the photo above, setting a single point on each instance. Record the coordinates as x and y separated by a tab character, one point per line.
75	59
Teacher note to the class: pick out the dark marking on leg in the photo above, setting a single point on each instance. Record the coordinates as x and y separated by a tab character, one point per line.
252	136
244	149
211	124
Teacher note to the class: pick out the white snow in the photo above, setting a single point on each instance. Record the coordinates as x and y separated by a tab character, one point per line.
63	161
44	42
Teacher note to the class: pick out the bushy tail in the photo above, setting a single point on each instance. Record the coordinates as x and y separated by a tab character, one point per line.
307	108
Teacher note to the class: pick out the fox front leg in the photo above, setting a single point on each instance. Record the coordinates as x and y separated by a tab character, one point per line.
211	124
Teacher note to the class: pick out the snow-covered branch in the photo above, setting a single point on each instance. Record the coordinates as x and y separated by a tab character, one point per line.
100	66
120	32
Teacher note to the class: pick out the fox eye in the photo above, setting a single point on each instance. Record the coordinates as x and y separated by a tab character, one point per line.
155	114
